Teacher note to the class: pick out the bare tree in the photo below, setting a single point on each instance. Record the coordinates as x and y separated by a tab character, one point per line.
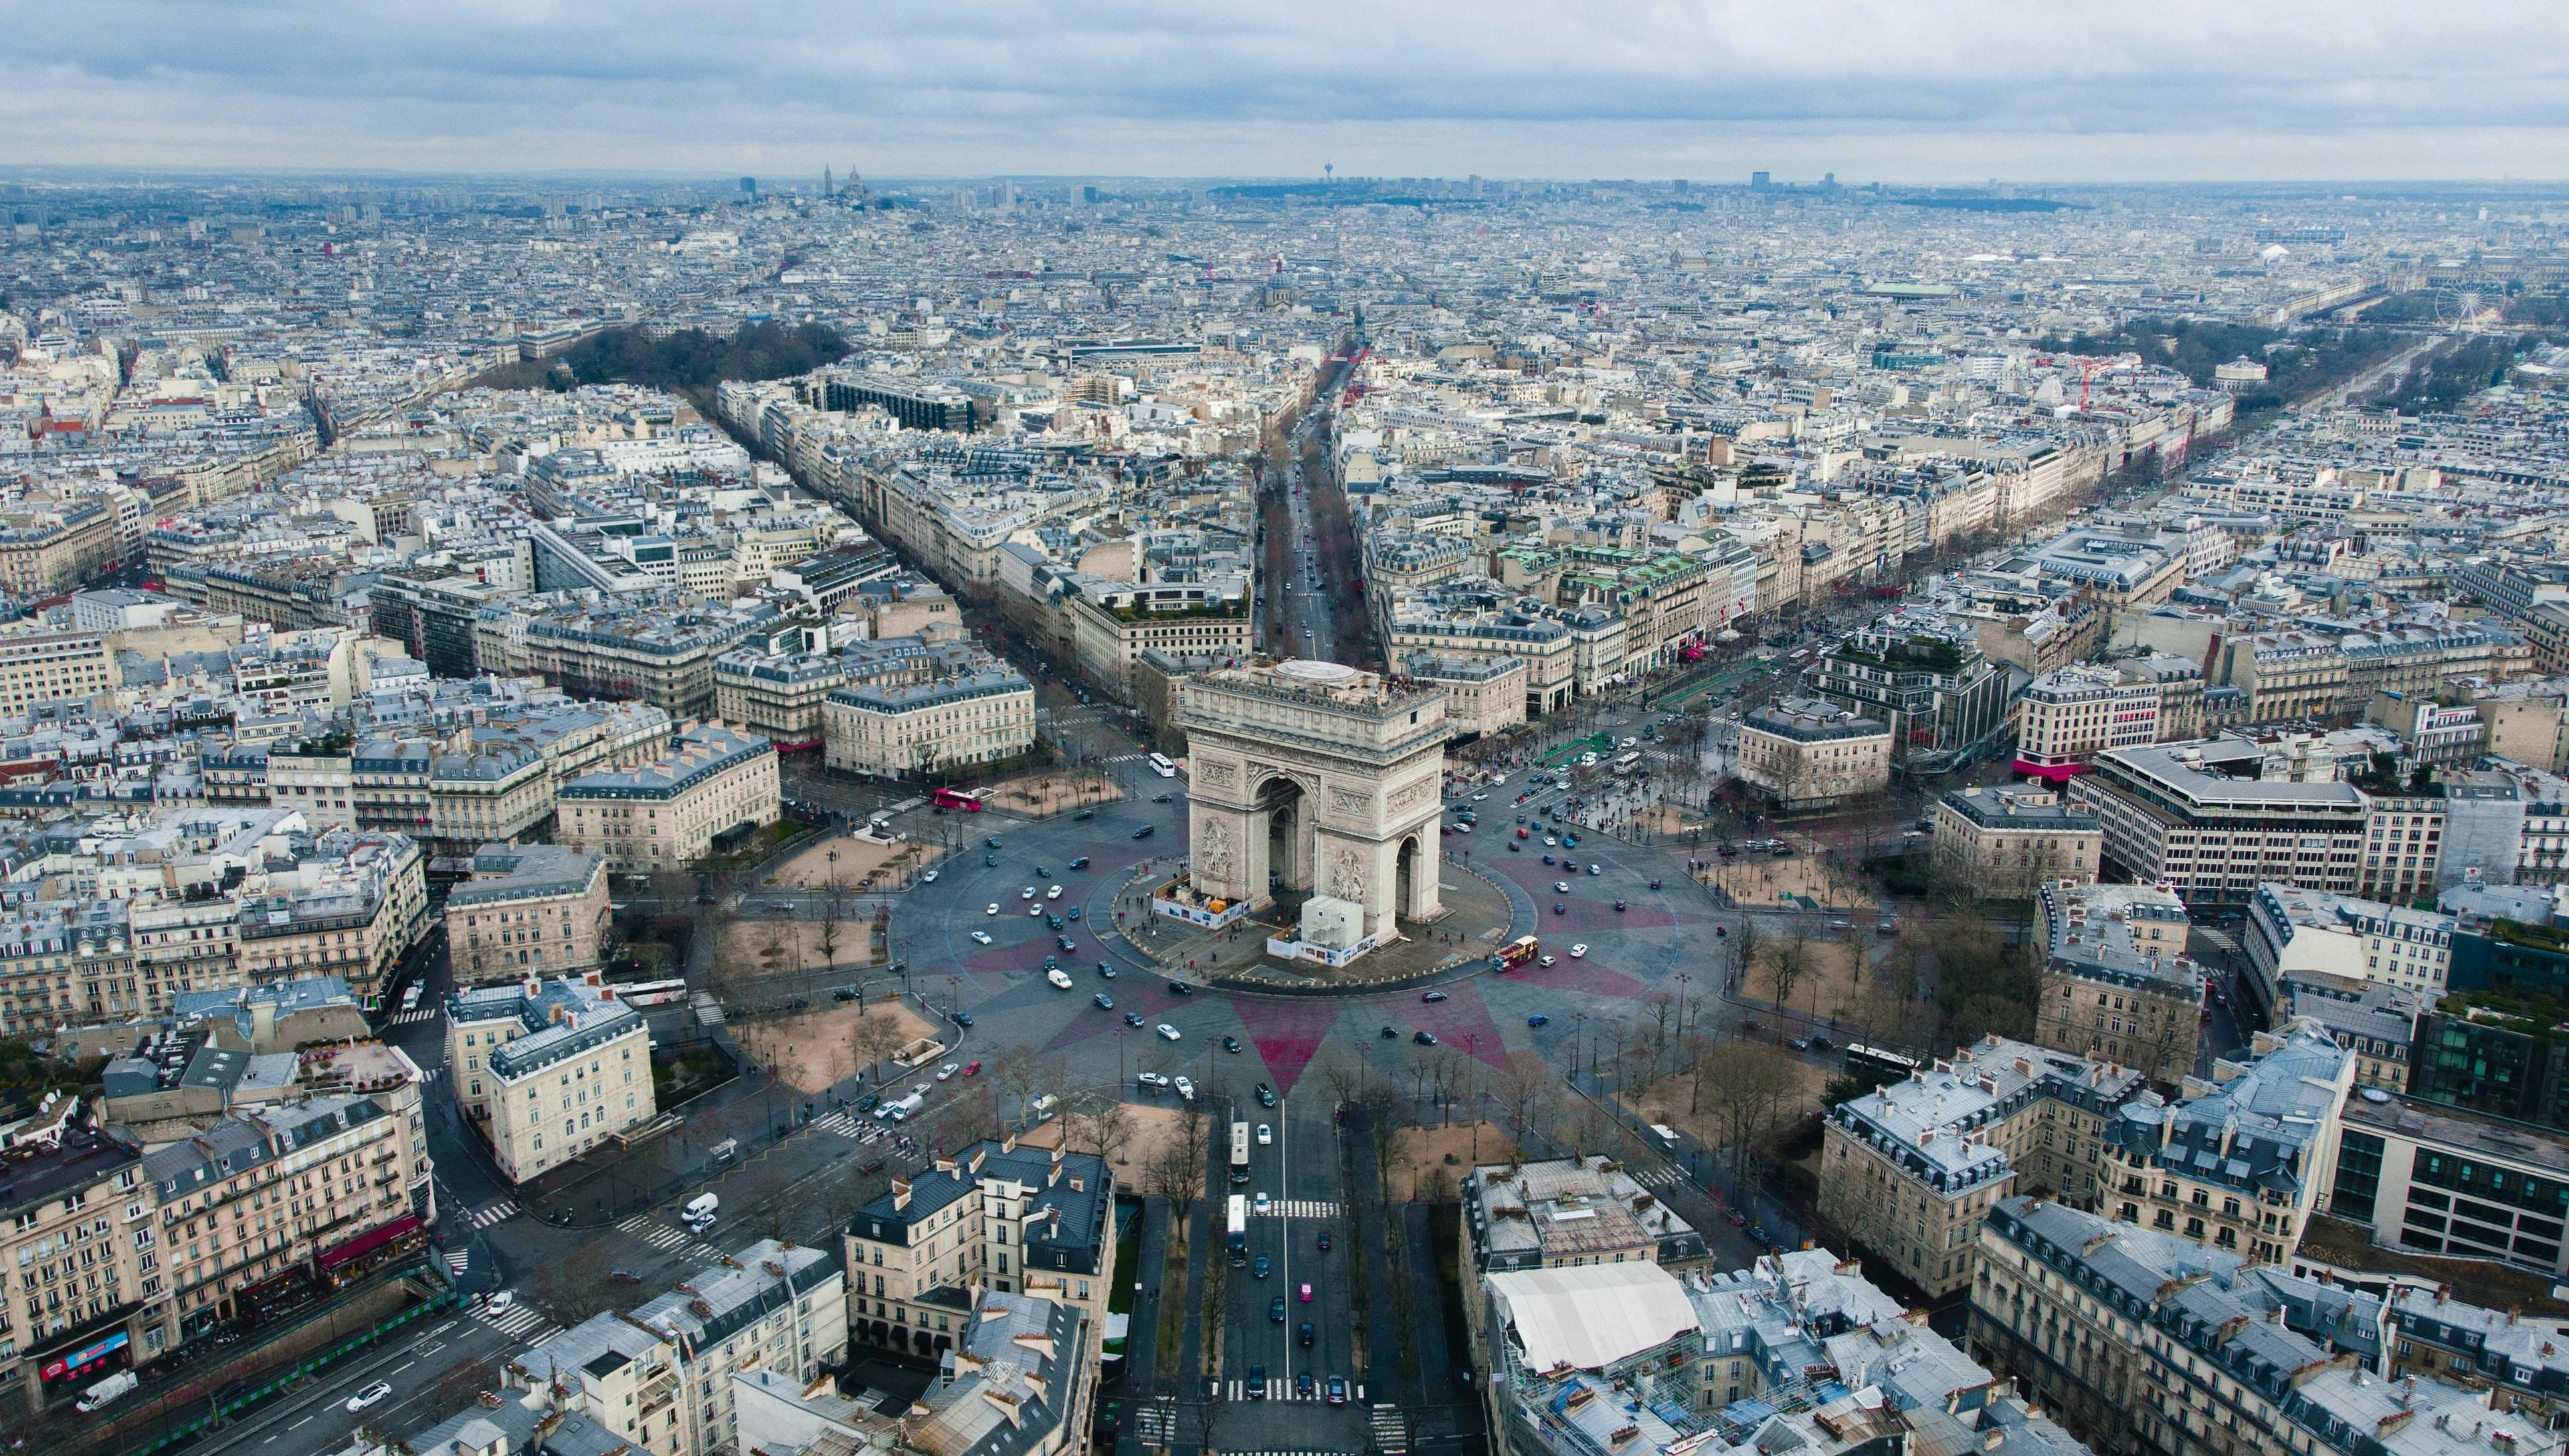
1524	1087
875	1038
1749	1084
1787	962
1745	942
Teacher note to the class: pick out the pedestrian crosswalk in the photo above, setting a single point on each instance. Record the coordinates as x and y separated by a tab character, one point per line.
848	1125
1390	1431
1305	1208
1155	1423
520	1322
488	1213
455	1259
411	1017
1664	1176
1279	1388
648	1230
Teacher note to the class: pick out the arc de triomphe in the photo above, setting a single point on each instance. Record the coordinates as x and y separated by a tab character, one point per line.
1313	776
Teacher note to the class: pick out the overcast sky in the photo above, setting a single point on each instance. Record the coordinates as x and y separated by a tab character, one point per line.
1897	90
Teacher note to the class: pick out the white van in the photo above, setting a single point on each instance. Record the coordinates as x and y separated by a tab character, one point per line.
699	1212
107	1390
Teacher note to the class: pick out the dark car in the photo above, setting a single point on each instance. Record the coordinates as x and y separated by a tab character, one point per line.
1432	996
1071	914
1085	813
1066	943
1082	861
1560	908
1146	830
1265	1095
1230	1043
1041	872
843	994
1337	1390
871	1164
991	843
1181	989
1423	1038
1390	1034
1132	1020
963	1018
1258	1379
1304	1336
990	858
1276	1310
1160	799
869	1102
1258	1267
1324	1240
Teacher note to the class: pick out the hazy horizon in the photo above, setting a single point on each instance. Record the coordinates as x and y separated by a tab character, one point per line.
1872	89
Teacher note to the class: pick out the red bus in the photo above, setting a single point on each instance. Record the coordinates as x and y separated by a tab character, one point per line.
968	800
1517	953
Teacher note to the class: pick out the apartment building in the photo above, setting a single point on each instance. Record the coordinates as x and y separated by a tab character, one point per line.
546	1069
661	1375
1483	695
529	910
2117	984
2286	674
1923	677
2520	1363
654	645
1602	1360
67	962
1564	1213
777	697
2070	715
1801	754
2152	1346
45	549
994	1215
2376	1021
498	790
266	1205
2291	931
664	815
1111	626
945	725
2008	842
2403	846
2240	1161
1481	626
50	667
1911	1168
354	907
89	1293
2197	818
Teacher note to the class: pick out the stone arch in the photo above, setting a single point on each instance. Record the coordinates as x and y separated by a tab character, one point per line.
1289	809
1409	867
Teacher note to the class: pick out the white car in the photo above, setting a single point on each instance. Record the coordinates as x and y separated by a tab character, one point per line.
982	935
1545	960
1561	887
1026	894
929	877
1477	798
1595	868
1034	910
1549	842
370	1395
501	1300
1263	1204
1186	1089
993	909
949	1070
1152	1079
1167	1032
1052	892
1266	1135
1579	951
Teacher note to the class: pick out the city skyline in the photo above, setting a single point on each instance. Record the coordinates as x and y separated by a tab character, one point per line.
1899	93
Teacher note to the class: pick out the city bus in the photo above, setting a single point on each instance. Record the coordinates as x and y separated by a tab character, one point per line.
1626	762
651	992
1878	1066
1516	952
1240	1152
1239	1238
968	800
1160	765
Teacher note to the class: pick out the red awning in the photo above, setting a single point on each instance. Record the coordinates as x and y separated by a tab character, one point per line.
368	1242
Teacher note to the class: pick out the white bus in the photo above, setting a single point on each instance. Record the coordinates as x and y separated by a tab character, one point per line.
1160	765
1240	1152
1238	1237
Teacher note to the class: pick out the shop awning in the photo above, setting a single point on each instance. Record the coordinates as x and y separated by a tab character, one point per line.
368	1242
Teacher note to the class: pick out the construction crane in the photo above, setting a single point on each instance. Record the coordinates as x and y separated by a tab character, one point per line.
2086	371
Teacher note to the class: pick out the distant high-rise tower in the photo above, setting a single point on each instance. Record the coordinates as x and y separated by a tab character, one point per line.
749	187
1759	181
1328	171
829	188
1474	182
